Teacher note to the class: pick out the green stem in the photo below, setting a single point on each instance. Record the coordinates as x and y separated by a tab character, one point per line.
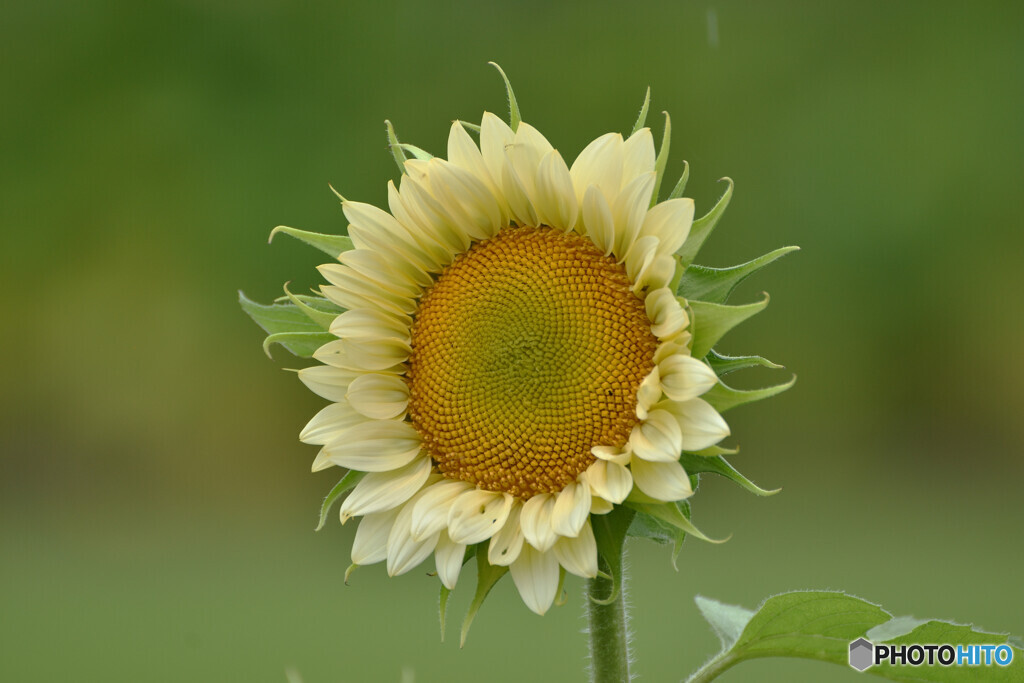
713	669
609	637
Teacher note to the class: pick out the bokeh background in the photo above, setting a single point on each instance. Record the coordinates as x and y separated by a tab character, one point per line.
156	508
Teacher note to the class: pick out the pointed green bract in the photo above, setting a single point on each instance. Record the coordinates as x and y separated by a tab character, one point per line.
301	344
657	529
820	625
716	284
610	534
703	226
487	575
723	365
475	127
710	322
320	317
671	515
723	397
641	120
351	478
662	160
680	187
395	147
442	608
332	245
417	152
513	105
696	464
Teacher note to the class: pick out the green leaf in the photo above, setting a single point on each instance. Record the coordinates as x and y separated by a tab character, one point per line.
332	245
711	322
703	226
321	317
287	324
351	478
641	120
723	365
680	187
723	397
442	608
672	516
610	533
662	160
716	284
487	575
646	525
695	464
820	625
301	344
395	147
513	106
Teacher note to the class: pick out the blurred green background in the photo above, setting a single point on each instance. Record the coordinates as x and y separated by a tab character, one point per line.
156	508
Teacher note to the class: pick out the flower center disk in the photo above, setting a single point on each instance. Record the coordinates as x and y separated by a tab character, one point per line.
527	351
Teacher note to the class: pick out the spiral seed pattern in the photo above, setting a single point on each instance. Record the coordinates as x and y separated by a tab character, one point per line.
527	351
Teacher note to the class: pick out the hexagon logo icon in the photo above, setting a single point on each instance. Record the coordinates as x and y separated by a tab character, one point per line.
862	654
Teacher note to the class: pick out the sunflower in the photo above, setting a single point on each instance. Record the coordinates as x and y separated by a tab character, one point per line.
511	358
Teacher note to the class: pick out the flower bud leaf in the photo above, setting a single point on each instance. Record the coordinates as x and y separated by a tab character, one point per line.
394	146
712	321
641	120
716	284
723	365
301	344
703	226
695	463
313	310
680	187
287	324
513	106
487	575
723	397
610	533
332	245
662	160
351	478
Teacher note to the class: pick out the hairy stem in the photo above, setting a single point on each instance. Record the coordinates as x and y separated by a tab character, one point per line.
609	639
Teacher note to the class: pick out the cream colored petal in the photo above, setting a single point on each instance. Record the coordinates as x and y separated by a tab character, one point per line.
600	506
405	552
658	272
554	197
535	574
648	394
641	256
465	198
684	377
431	512
637	155
322	461
375	231
326	381
354	290
434	222
379	491
670	222
377	446
495	136
433	254
464	153
572	506
525	154
658	438
598	220
617	454
506	545
328	425
700	424
379	354
610	481
661	480
519	203
578	554
369	323
477	515
448	558
667	316
536	521
396	275
371	541
378	396
629	210
599	164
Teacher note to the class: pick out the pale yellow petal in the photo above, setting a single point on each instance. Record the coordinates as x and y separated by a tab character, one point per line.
506	545
600	165
377	446
370	544
379	491
658	438
629	210
684	377
610	481
578	554
431	512
448	557
637	155
477	515
535	575
378	396
598	220
555	198
572	506
536	521
661	480
670	222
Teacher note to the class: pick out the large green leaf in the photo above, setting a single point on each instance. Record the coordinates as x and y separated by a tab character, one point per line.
716	284
821	625
712	321
287	324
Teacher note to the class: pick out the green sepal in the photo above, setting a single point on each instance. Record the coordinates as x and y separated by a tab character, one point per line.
662	160
671	515
723	365
716	284
723	397
348	572
332	245
694	463
442	607
712	451
820	625
487	575
351	478
702	227
513	105
286	324
646	525
395	147
561	597
475	127
421	154
610	534
710	322
641	120
680	187
323	318
301	344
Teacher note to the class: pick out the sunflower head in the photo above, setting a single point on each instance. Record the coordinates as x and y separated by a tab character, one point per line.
517	352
